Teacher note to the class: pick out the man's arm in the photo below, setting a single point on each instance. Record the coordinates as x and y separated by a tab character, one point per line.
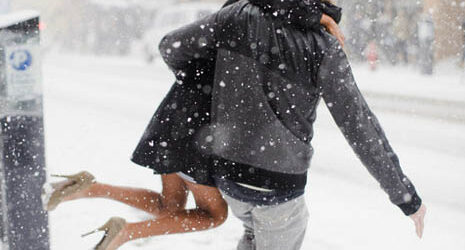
311	14
306	14
195	41
362	129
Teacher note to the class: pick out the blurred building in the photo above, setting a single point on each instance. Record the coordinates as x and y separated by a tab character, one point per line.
93	26
76	24
448	18
380	20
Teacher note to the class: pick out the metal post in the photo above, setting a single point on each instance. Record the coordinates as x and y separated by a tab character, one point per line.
22	160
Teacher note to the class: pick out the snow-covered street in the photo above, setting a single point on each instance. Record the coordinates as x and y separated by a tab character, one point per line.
96	109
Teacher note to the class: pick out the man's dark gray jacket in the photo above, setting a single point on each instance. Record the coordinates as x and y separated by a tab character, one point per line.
269	78
171	143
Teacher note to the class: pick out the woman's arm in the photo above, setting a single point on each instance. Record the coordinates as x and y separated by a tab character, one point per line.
333	28
330	9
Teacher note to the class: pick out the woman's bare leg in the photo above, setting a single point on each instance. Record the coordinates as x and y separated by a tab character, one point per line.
211	211
172	198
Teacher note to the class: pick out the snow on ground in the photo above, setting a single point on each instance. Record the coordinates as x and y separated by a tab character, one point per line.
440	96
97	108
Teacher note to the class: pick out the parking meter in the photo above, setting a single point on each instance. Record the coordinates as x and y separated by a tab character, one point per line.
22	161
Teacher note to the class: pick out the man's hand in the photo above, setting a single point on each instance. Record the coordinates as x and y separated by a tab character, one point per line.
419	220
333	28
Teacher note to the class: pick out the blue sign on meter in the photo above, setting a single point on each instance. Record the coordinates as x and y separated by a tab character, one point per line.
21	60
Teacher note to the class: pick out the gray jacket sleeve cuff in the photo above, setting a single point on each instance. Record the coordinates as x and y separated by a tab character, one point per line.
332	10
412	206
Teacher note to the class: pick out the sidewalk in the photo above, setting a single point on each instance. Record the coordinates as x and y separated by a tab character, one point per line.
405	90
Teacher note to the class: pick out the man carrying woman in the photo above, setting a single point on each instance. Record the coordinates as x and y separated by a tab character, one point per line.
240	118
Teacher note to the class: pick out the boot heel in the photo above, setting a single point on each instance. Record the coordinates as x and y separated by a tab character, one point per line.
112	229
77	182
61	176
103	228
82	176
91	232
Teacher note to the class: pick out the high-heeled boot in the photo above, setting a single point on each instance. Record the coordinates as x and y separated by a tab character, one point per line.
51	196
112	229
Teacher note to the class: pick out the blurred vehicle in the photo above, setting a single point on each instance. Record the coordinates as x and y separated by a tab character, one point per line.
171	18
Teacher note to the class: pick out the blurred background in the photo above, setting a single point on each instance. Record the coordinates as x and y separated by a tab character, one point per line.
103	78
381	31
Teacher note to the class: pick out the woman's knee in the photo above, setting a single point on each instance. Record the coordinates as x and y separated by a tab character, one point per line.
219	213
209	200
174	194
172	206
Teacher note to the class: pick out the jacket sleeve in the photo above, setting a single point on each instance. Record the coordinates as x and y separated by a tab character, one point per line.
305	14
195	41
331	10
362	129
